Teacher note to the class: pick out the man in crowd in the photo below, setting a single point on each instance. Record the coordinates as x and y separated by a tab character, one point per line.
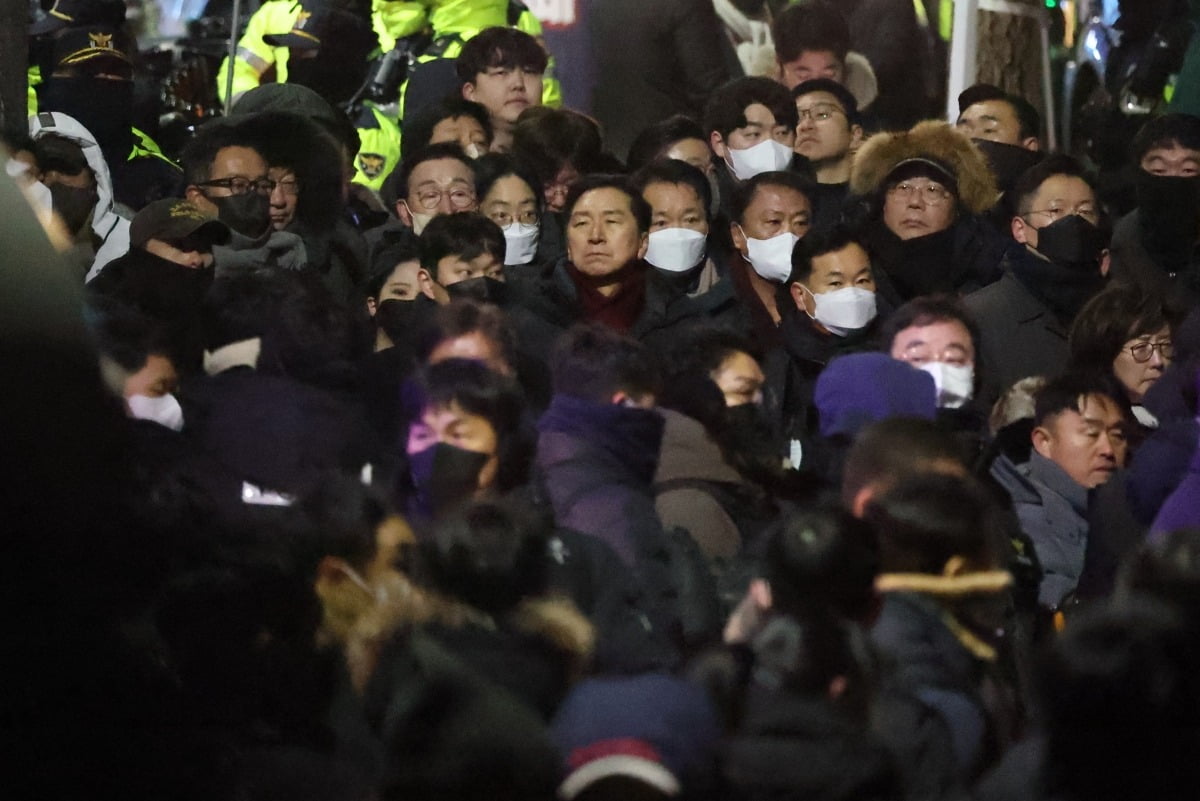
828	133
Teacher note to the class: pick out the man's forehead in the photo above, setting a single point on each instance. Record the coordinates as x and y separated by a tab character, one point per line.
1172	152
772	197
851	258
604	200
815	98
1064	187
441	171
999	110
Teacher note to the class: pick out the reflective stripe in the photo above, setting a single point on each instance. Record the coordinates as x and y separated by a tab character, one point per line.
256	61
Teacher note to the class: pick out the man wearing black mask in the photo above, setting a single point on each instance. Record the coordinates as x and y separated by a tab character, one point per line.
227	179
1005	127
1024	317
91	79
1155	246
462	255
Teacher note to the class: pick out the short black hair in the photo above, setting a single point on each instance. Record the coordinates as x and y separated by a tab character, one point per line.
725	111
1028	118
745	192
479	390
491	167
818	242
548	139
418	127
637	204
1165	131
653	142
594	362
1068	391
406	248
462	316
395	186
1031	180
673	171
499	47
341	516
704	348
213	137
926	519
57	153
886	451
123	334
466	234
1117	314
927	310
810	25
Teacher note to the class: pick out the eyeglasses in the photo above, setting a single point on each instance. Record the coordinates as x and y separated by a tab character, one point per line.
1144	351
504	218
1086	212
240	186
919	353
819	112
931	194
460	198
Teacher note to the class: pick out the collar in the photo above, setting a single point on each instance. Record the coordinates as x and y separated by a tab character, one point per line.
1047	473
243	353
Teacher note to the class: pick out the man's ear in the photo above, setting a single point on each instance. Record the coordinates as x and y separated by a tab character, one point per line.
739	237
1042	441
862	498
717	143
800	297
856	137
1105	261
427	284
644	245
403	212
1018	229
372	306
468	91
1031	143
760	593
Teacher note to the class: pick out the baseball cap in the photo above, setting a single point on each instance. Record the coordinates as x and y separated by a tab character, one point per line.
92	44
79	12
172	220
316	21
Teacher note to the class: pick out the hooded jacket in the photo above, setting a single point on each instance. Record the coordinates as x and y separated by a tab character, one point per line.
108	224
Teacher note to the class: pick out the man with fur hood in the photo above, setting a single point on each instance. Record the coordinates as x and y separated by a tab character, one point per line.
109	237
924	190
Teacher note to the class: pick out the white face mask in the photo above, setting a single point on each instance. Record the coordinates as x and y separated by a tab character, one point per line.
843	311
474	150
766	156
520	242
676	250
772	258
955	383
164	410
419	219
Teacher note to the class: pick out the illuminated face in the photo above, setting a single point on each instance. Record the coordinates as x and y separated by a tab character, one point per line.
510	200
1088	444
824	132
156	378
772	210
1057	197
283	197
452	425
739	378
946	341
454	268
1175	160
1142	361
760	126
402	284
694	151
505	92
438	186
995	121
464	131
810	65
602	233
675	206
837	269
918	207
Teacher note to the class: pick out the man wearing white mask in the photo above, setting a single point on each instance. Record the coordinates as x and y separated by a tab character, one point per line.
833	313
751	127
771	212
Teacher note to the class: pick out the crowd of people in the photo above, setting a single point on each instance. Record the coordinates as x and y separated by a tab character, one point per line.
790	444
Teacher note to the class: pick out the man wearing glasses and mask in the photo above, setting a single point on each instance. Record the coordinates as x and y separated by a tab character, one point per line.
1025	316
827	134
227	178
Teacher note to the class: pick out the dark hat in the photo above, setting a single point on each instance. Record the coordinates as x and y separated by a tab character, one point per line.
844	96
654	728
79	12
316	21
924	167
863	388
89	44
171	220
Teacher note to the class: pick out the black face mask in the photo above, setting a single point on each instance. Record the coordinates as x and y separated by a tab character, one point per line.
1168	213
104	107
248	214
1071	242
482	289
73	205
445	476
403	320
1007	162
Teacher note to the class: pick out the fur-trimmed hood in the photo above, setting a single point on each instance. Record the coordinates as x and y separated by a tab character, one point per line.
879	155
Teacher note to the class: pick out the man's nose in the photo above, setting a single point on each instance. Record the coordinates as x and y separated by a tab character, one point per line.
444	206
